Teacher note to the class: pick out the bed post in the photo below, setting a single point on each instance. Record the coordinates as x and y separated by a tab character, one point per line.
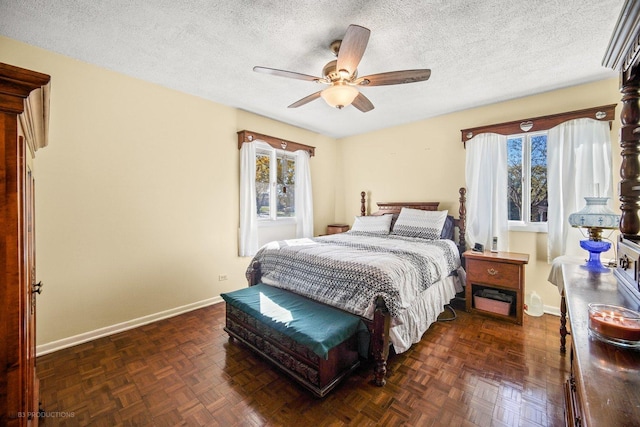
363	204
462	227
254	275
380	341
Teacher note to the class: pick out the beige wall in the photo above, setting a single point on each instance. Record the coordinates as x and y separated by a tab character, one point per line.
425	161
137	194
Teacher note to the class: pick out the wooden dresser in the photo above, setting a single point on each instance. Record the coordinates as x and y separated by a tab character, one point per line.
19	400
604	385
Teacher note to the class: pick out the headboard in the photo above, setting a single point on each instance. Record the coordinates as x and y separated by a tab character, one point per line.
395	207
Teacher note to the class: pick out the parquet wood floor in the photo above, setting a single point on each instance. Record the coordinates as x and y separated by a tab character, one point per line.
473	371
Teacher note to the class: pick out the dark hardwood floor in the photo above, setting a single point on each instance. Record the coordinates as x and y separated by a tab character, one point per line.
473	371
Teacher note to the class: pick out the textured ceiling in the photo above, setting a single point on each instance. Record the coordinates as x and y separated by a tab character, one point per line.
480	52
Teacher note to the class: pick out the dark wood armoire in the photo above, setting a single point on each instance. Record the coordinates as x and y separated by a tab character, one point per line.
23	126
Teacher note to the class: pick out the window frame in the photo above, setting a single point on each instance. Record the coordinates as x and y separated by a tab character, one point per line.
274	156
525	223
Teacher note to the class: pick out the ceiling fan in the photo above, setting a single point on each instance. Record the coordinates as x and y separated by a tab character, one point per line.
341	74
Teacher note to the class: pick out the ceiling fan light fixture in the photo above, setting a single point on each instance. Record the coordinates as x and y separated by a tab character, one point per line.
339	95
341	74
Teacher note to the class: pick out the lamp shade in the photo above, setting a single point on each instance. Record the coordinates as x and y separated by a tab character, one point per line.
596	214
339	95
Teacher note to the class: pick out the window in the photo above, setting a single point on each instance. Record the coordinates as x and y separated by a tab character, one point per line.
275	184
527	181
270	170
577	150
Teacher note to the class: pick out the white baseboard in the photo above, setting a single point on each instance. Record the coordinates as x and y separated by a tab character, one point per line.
50	347
552	310
120	327
548	309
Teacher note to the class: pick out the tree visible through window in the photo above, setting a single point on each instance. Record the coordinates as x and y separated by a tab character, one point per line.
527	178
275	185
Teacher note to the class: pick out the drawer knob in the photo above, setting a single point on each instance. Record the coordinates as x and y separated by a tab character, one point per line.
492	271
624	262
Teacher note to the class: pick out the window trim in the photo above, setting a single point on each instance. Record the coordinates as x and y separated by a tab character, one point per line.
268	222
542	123
276	143
532	227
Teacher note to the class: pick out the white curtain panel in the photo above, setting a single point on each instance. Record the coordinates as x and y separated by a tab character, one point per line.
248	234
578	165
486	176
304	195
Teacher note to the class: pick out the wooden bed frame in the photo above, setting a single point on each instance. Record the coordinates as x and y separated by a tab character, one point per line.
379	326
395	208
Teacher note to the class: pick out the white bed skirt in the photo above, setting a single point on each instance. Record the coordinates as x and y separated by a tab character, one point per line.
416	320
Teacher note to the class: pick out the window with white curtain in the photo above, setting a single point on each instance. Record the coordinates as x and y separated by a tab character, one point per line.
276	201
579	160
508	163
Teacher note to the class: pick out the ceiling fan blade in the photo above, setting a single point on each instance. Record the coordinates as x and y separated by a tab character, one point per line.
394	78
352	48
283	73
362	103
305	100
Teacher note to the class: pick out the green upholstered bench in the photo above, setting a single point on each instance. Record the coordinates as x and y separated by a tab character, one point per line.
313	343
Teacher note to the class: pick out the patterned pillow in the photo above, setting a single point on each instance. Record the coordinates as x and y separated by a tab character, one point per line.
419	223
372	224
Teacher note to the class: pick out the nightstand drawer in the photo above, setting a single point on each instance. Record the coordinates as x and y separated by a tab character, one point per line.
494	273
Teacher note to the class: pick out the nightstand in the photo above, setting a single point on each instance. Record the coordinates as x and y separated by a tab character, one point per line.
496	271
337	228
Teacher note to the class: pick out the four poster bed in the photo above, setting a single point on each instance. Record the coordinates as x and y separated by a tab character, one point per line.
396	269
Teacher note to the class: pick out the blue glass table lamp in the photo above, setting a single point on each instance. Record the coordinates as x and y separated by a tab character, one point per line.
595	217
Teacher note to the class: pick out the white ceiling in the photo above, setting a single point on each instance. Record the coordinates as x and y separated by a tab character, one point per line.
480	52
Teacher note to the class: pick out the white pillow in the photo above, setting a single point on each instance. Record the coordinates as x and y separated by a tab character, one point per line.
372	224
419	223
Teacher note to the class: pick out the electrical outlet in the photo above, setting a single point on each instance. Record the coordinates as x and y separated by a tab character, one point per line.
222	277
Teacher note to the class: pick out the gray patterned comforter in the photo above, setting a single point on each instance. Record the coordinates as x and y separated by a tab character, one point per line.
349	270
